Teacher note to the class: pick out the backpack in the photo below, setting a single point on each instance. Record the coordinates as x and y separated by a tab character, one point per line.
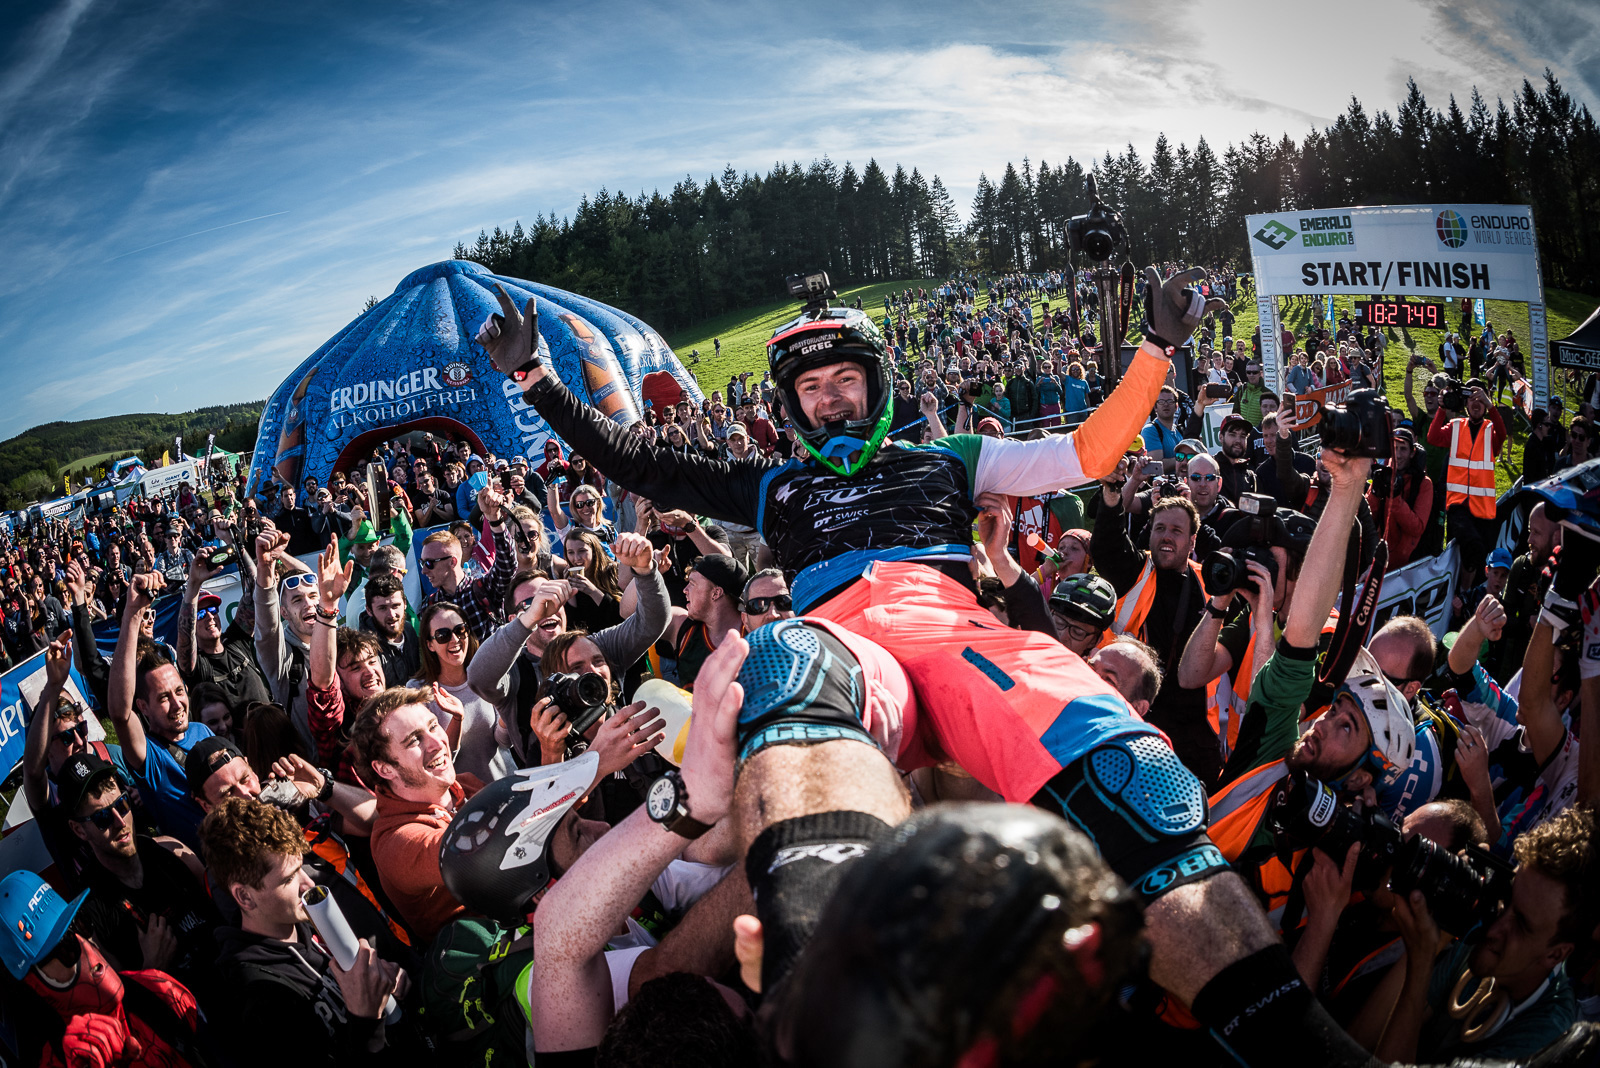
469	994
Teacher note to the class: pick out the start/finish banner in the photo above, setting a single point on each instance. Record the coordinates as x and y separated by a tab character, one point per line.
1424	250
1479	251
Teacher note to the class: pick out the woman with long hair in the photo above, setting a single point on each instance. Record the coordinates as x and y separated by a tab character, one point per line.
592	573
447	648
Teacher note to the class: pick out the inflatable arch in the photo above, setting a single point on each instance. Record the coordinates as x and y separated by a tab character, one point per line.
410	363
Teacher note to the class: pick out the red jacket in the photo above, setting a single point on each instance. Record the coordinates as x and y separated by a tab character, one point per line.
1405	528
405	849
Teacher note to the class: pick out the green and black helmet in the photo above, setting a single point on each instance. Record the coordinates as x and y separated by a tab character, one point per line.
821	337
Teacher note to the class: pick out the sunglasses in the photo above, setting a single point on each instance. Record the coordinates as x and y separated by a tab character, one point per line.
588	502
1204	478
108	818
443	634
757	606
81	731
214	610
429	564
294	582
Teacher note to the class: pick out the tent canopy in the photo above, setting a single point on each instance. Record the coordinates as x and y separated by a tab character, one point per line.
1581	348
411	363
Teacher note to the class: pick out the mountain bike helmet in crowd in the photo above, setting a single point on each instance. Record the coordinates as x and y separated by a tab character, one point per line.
35	918
496	853
1086	598
1388	714
821	337
1572	498
975	934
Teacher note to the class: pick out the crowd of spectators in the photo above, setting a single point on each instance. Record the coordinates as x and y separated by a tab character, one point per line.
333	729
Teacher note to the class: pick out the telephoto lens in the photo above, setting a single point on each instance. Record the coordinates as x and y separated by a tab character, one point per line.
1462	891
1359	427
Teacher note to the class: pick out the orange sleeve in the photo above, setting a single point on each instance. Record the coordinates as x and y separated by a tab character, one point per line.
1104	437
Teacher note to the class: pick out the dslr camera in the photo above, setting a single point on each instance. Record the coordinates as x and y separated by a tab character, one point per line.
1358	427
1307	813
1099	233
585	698
1224	570
1454	395
1462	891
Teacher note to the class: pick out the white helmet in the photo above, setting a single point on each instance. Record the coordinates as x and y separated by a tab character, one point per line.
1388	713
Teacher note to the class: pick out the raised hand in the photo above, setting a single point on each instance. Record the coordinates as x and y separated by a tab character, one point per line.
512	338
333	580
1175	307
709	753
58	661
625	736
633	550
144	588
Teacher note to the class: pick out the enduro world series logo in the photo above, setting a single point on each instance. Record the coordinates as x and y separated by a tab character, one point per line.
1455	230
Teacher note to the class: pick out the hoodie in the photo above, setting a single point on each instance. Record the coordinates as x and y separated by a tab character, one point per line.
281	989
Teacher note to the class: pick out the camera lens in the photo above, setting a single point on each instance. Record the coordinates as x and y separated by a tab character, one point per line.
1221	572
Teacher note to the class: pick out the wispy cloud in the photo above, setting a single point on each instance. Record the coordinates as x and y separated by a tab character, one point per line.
192	201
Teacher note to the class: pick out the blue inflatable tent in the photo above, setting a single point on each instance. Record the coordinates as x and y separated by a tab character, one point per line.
410	364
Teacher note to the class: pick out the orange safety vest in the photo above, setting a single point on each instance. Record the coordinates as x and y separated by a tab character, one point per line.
1134	605
1469	474
1236	814
1227	701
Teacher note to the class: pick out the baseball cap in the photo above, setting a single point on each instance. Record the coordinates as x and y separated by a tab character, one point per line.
502	464
207	757
1500	558
723	572
1233	419
1191	446
1405	434
34	919
519	461
209	600
80	774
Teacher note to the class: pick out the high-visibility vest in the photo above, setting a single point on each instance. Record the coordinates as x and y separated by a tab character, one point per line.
1135	604
1469	474
1238	808
1226	700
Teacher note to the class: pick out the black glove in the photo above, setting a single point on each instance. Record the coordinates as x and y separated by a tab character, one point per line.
1172	309
511	338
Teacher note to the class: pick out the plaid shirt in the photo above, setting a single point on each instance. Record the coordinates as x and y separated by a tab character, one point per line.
482	600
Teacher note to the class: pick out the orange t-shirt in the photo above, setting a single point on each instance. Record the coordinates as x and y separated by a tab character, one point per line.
405	848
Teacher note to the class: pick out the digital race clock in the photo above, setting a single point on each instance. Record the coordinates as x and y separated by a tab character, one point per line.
1400	313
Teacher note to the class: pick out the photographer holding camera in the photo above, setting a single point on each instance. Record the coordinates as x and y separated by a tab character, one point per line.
1401	498
1471	443
1504	994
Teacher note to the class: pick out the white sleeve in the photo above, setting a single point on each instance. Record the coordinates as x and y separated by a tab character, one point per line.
684	882
620	962
1028	468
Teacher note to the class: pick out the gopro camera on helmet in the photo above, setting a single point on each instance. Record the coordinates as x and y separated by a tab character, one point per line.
813	288
1225	570
1359	427
1308	813
1461	891
584	698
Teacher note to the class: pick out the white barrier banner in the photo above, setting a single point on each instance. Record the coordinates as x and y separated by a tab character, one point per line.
1425	588
1442	250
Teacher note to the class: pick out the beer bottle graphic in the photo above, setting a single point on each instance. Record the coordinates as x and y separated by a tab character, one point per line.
602	374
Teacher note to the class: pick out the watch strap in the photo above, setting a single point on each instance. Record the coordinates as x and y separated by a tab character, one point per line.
327	784
521	373
1214	612
686	826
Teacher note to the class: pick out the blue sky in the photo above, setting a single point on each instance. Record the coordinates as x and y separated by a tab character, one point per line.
194	196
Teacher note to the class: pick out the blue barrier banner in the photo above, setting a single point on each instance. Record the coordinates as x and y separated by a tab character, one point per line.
19	694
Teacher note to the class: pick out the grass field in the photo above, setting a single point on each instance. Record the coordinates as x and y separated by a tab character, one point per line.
85	463
744	335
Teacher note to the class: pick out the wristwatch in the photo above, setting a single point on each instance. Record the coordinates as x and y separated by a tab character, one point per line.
327	784
521	373
667	802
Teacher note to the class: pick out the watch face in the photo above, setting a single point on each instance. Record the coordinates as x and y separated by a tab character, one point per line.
662	799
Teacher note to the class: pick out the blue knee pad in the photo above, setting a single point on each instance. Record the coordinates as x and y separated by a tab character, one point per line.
801	687
1147	780
1144	811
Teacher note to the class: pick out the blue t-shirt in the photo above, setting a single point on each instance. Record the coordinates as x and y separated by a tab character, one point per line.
1156	436
1074	394
1049	387
166	787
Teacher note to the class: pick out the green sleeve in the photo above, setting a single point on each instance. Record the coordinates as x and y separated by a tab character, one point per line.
400	526
1272	722
967	447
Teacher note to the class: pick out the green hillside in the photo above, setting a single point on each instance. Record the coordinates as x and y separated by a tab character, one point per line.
33	464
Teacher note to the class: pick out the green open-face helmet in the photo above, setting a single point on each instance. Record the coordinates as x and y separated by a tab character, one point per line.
821	337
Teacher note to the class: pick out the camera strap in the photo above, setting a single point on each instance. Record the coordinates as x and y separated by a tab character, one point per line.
1360	601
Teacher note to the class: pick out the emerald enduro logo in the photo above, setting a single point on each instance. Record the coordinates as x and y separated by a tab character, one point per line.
1274	235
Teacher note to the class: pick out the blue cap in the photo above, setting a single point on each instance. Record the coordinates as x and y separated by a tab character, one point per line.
1500	558
35	919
